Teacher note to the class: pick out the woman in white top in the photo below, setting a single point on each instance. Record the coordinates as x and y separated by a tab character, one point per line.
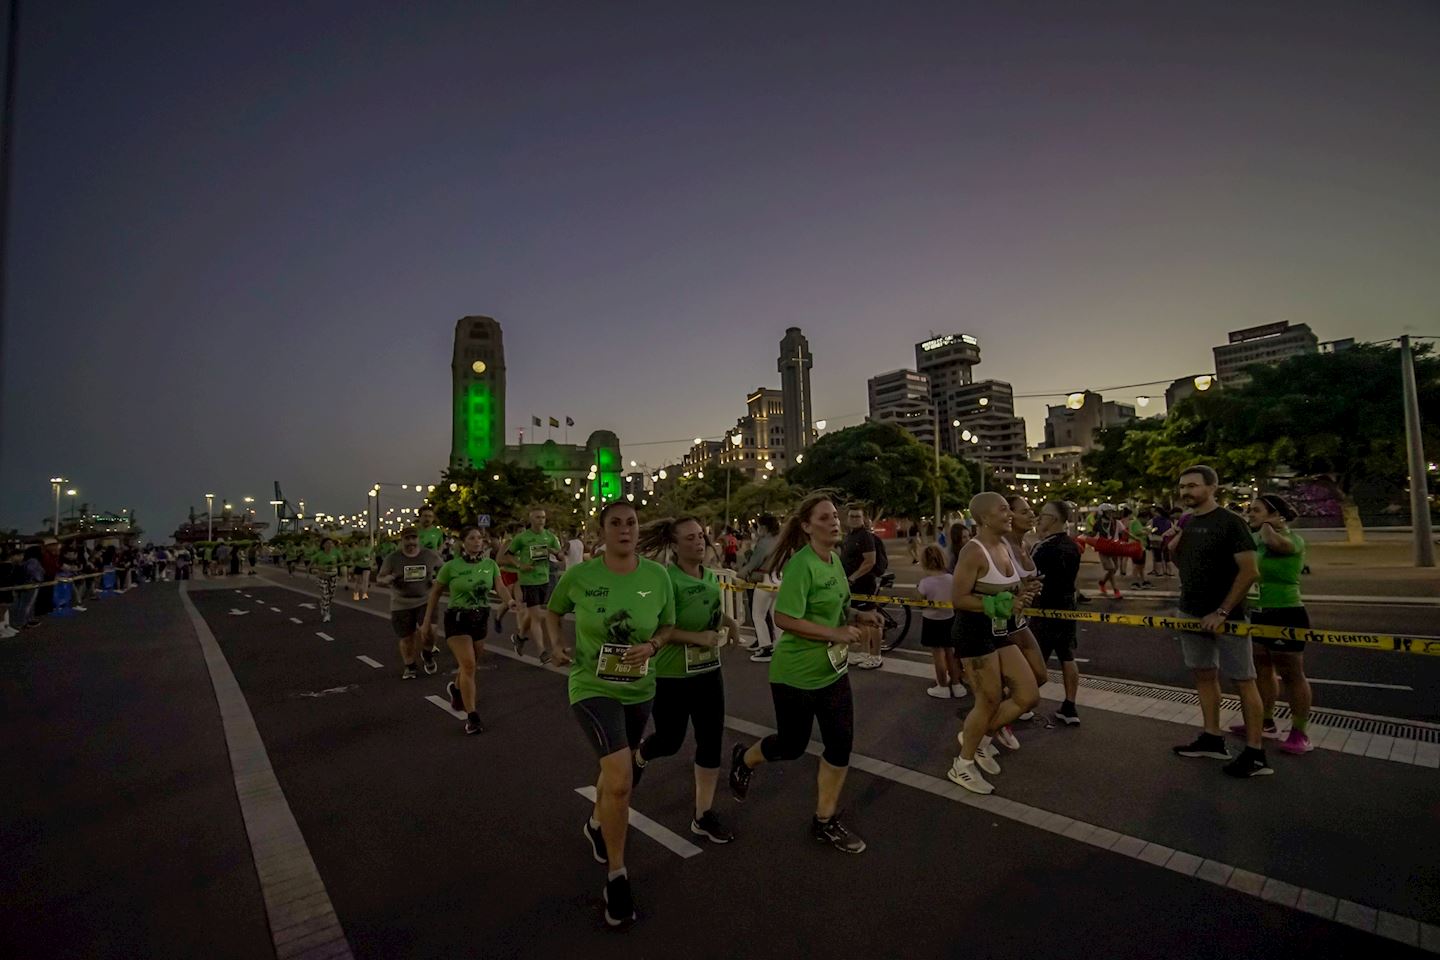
937	625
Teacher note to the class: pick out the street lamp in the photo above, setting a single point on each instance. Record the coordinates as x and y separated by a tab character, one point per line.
55	483
1204	382
820	424
209	516
277	504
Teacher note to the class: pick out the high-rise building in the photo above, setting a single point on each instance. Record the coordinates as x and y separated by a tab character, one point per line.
477	374
794	366
1269	344
762	436
902	397
1067	426
986	409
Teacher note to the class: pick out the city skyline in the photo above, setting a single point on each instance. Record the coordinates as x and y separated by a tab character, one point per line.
232	263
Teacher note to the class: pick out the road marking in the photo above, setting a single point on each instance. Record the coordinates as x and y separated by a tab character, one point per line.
325	636
664	836
296	620
444	704
310	606
297	906
1360	683
276	609
258	600
238	613
329	690
374	663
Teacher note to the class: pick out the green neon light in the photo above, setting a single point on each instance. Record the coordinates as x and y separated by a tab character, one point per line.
477	412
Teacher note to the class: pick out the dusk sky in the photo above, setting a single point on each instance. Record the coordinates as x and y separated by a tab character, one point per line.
242	233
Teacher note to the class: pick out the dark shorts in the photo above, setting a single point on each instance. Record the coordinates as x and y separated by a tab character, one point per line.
474	624
937	633
406	621
535	595
1281	617
975	635
1055	637
610	725
359	570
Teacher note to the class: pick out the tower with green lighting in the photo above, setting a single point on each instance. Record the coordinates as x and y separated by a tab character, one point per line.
478	380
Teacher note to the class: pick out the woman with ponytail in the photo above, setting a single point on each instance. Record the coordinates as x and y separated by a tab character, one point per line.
1280	557
808	678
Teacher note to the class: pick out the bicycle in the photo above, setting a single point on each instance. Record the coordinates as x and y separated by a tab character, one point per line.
896	616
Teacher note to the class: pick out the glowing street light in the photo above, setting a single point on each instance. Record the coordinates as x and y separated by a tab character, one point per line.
736	439
699	440
1075	401
630	497
210	516
821	424
1142	401
478	366
984	401
769	465
663	475
1204	382
965	435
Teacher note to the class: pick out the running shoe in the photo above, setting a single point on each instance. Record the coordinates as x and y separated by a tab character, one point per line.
364	596
957	690
1006	738
517	643
473	724
752	647
984	756
1027	715
457	703
1297	743
355	596
430	665
710	827
871	662
409	673
1268	730
1250	763
940	692
597	843
740	773
1067	714
1081	598
836	834
964	773
79	609
1205	745
1104	590
765	655
545	656
619	905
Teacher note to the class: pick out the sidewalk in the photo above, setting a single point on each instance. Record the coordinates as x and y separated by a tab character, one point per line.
123	835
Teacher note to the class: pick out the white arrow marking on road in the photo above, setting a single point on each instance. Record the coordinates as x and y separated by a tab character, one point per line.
1358	683
296	620
444	704
238	613
664	836
374	663
324	636
329	690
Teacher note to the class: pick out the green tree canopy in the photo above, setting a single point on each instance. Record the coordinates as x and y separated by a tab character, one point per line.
885	467
506	500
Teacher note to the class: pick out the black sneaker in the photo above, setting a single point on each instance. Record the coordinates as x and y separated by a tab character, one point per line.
517	642
710	827
637	765
457	703
1206	745
545	657
1067	714
428	656
409	673
1250	763
739	773
835	833
597	843
619	905
473	725
499	624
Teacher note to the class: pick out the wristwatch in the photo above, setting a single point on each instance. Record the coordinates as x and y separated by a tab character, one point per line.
1222	611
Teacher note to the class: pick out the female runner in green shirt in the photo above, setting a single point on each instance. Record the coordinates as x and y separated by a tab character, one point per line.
1280	557
808	678
469	576
689	688
326	564
624	609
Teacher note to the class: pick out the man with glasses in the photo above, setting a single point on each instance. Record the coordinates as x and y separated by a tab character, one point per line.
408	573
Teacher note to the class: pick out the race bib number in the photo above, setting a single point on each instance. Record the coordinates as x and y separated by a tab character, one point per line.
999	627
610	665
700	659
539	551
839	654
414	572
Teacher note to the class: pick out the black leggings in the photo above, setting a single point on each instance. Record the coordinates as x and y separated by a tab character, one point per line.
697	700
796	711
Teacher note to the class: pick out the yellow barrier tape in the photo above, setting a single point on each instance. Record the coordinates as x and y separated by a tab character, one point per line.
1390	643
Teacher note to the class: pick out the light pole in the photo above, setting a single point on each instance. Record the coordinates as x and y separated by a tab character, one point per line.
210	516
1415	447
276	504
55	484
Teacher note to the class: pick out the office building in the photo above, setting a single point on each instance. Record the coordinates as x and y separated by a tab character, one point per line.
761	434
1067	426
477	376
902	397
984	409
1268	344
798	411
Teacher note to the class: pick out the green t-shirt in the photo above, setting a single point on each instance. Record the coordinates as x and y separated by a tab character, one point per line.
431	538
1280	574
697	609
811	589
534	548
613	611
361	557
327	562
386	548
469	583
1138	531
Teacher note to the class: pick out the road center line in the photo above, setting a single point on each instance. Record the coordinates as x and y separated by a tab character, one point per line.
662	835
366	660
324	636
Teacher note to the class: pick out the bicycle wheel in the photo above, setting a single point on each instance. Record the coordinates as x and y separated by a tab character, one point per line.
897	625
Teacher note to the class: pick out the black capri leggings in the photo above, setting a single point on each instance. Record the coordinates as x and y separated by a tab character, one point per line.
795	713
697	700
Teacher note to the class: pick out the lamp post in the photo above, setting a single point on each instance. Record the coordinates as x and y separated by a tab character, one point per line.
210	516
276	504
55	484
1415	447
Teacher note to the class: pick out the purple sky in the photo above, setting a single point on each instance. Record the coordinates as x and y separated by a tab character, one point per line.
242	235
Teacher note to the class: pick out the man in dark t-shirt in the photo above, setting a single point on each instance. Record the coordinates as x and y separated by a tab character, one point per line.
858	556
1215	552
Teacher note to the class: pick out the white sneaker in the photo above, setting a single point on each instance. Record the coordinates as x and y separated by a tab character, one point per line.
855	658
964	773
940	693
957	690
868	662
1027	715
80	609
7	632
1006	736
985	756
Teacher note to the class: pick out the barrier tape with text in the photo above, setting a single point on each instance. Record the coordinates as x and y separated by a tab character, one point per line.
1390	643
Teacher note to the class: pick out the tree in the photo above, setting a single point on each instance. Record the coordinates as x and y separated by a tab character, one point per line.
464	493
884	467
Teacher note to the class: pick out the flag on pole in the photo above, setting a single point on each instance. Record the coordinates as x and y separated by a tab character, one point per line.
569	422
534	420
554	422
